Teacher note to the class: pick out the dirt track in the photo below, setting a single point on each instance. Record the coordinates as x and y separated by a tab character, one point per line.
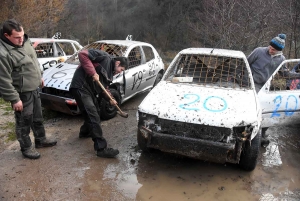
72	171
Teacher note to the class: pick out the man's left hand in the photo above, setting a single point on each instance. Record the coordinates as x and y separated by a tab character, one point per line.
42	83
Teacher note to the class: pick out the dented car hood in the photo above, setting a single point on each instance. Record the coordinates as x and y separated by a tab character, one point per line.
201	105
60	76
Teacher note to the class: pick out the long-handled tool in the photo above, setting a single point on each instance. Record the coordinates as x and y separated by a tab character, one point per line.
120	112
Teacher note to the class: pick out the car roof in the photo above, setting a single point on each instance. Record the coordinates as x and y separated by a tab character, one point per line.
123	42
213	51
51	40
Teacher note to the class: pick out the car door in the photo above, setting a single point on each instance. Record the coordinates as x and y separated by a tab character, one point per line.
280	97
151	68
136	75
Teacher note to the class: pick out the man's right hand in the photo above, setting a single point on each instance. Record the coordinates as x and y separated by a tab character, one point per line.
113	102
18	106
95	77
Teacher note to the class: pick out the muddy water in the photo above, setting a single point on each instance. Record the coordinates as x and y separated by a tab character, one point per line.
160	176
71	171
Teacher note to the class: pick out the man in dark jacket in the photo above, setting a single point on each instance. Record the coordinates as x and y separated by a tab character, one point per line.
20	77
95	65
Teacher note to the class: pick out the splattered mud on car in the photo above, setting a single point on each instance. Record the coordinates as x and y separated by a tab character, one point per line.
198	109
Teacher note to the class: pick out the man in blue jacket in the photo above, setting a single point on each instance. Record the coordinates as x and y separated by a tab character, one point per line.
20	77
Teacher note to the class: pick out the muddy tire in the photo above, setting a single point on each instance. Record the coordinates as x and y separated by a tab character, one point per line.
250	153
108	111
158	79
142	141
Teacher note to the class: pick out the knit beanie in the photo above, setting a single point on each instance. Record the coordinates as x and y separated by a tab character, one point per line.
278	42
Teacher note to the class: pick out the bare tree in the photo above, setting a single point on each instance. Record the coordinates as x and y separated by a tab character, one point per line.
168	25
290	19
235	24
39	18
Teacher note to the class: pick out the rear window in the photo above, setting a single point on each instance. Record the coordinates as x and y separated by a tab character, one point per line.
44	50
112	49
219	71
148	53
65	47
134	57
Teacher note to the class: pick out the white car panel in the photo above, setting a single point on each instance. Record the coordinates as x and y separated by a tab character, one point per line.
197	105
280	107
51	51
205	107
59	77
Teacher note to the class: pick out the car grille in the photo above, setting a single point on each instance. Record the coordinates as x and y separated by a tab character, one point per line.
197	131
56	92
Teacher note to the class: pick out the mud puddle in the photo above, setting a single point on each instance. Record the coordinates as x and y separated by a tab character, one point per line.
72	171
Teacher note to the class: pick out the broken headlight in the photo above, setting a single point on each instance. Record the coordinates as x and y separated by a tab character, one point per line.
148	121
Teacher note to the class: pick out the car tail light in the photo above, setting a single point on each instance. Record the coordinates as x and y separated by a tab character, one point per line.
71	102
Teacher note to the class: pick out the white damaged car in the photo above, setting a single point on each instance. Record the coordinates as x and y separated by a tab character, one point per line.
51	51
206	107
145	71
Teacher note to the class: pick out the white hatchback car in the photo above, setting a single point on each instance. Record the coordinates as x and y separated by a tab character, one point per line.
145	71
51	51
206	107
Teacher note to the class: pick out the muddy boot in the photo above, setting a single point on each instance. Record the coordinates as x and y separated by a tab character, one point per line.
107	153
85	135
84	131
45	143
264	138
30	153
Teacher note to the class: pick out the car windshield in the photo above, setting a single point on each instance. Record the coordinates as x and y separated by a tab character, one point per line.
210	70
112	49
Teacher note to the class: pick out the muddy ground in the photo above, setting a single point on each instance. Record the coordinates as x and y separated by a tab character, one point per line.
72	171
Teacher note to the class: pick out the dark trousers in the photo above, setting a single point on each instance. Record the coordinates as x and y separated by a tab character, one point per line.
89	107
30	117
264	132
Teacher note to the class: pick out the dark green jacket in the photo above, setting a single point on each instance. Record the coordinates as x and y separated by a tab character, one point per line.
19	70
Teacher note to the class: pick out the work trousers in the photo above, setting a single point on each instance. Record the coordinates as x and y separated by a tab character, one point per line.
30	117
89	107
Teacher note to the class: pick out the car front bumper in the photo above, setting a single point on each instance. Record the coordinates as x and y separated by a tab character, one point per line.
61	104
195	148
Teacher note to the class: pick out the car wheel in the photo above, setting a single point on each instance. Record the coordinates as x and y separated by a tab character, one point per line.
158	79
142	141
108	111
250	153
